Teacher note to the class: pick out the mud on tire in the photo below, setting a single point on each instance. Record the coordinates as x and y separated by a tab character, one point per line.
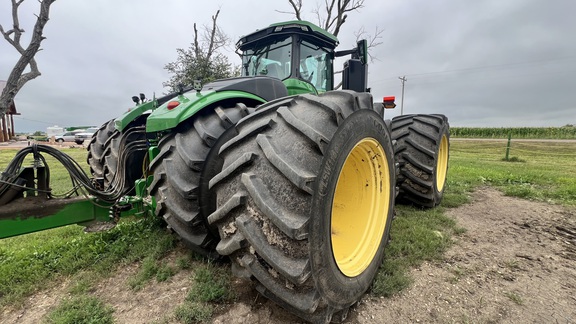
296	201
181	172
422	151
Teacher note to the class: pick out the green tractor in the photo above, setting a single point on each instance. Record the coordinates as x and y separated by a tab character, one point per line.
291	180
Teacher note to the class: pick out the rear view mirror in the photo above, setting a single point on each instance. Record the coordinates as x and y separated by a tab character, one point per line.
362	48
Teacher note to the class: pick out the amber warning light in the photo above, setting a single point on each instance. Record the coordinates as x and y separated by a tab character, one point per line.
389	102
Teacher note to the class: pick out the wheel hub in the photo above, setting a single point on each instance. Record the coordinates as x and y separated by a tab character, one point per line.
360	207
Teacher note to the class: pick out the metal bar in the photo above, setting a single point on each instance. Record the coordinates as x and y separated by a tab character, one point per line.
29	215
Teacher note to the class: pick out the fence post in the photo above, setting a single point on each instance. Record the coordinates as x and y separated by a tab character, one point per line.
507	158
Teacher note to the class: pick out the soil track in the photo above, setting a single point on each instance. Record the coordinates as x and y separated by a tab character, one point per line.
515	264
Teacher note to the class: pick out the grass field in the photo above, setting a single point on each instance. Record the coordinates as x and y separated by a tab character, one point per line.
542	171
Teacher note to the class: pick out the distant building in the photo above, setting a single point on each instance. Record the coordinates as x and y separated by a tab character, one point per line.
7	122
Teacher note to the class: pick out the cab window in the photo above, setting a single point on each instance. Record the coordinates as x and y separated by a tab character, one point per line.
316	66
271	60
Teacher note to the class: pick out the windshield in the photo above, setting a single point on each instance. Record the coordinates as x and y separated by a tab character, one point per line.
272	60
316	66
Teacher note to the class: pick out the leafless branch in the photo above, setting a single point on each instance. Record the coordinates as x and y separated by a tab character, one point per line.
333	14
196	45
296	6
343	7
17	77
374	39
212	40
214	37
319	18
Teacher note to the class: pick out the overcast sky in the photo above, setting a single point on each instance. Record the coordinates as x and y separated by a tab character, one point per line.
481	63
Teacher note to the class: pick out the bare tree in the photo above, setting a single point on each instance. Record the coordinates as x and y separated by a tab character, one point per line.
17	77
330	16
373	40
202	60
333	14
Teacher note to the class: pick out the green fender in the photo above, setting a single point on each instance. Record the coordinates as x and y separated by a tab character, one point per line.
296	87
121	122
190	103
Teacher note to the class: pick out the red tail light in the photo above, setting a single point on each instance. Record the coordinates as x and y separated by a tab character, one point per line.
389	102
173	104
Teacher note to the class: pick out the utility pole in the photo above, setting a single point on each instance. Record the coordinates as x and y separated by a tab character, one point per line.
403	79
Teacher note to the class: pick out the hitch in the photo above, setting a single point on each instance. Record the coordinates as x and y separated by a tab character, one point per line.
31	181
27	203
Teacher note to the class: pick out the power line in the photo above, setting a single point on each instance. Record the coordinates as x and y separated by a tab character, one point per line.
486	67
403	80
37	121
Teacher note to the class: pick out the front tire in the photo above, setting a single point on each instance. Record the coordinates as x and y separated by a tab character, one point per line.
422	151
181	173
305	201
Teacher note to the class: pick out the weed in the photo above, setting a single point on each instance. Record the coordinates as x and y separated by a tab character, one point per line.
164	273
211	284
83	282
184	263
458	273
513	159
193	312
512	264
149	269
514	297
81	310
459	230
392	278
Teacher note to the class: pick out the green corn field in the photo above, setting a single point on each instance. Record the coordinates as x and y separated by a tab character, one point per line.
566	132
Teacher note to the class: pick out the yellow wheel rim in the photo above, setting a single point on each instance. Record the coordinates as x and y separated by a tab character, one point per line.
442	163
360	207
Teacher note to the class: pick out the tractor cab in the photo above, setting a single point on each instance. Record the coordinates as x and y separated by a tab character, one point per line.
298	53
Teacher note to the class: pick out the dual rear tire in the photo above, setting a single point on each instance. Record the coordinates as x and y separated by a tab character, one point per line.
422	151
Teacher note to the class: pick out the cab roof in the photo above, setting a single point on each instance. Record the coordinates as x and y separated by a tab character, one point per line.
320	36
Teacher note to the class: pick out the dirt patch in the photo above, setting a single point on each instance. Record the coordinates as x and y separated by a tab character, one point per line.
515	264
154	302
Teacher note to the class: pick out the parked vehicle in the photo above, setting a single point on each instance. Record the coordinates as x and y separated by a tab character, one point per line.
79	138
68	136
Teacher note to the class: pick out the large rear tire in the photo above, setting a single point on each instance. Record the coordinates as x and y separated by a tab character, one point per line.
422	151
305	200
181	173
